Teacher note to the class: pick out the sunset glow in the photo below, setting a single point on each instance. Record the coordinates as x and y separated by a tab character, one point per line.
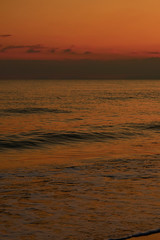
77	29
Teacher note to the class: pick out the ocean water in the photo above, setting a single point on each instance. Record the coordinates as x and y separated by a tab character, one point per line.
79	159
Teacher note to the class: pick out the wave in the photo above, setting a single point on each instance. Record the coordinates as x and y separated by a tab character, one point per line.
39	138
137	95
36	138
145	126
32	110
153	126
130	128
116	98
139	234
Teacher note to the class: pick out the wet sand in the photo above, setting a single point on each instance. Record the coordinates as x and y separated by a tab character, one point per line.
149	237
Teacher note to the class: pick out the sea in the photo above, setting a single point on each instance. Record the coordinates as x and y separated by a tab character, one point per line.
79	159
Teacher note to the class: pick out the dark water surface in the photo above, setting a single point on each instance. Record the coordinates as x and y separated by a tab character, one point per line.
79	159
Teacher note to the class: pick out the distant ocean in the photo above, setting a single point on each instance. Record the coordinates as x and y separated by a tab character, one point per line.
79	159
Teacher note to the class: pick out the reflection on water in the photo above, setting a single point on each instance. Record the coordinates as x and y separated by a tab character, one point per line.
79	159
107	199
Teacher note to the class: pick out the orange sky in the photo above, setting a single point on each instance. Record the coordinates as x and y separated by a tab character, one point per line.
96	29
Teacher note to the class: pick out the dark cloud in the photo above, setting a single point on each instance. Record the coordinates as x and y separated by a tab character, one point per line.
87	52
53	50
5	35
32	50
37	46
11	47
67	50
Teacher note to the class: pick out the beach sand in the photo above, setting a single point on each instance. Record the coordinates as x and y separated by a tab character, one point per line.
155	236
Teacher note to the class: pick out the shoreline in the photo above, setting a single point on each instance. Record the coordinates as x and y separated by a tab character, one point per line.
154	236
150	235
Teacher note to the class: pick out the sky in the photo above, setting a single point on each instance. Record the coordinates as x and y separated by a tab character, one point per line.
79	29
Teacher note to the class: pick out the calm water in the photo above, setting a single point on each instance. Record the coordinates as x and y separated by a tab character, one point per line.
79	159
